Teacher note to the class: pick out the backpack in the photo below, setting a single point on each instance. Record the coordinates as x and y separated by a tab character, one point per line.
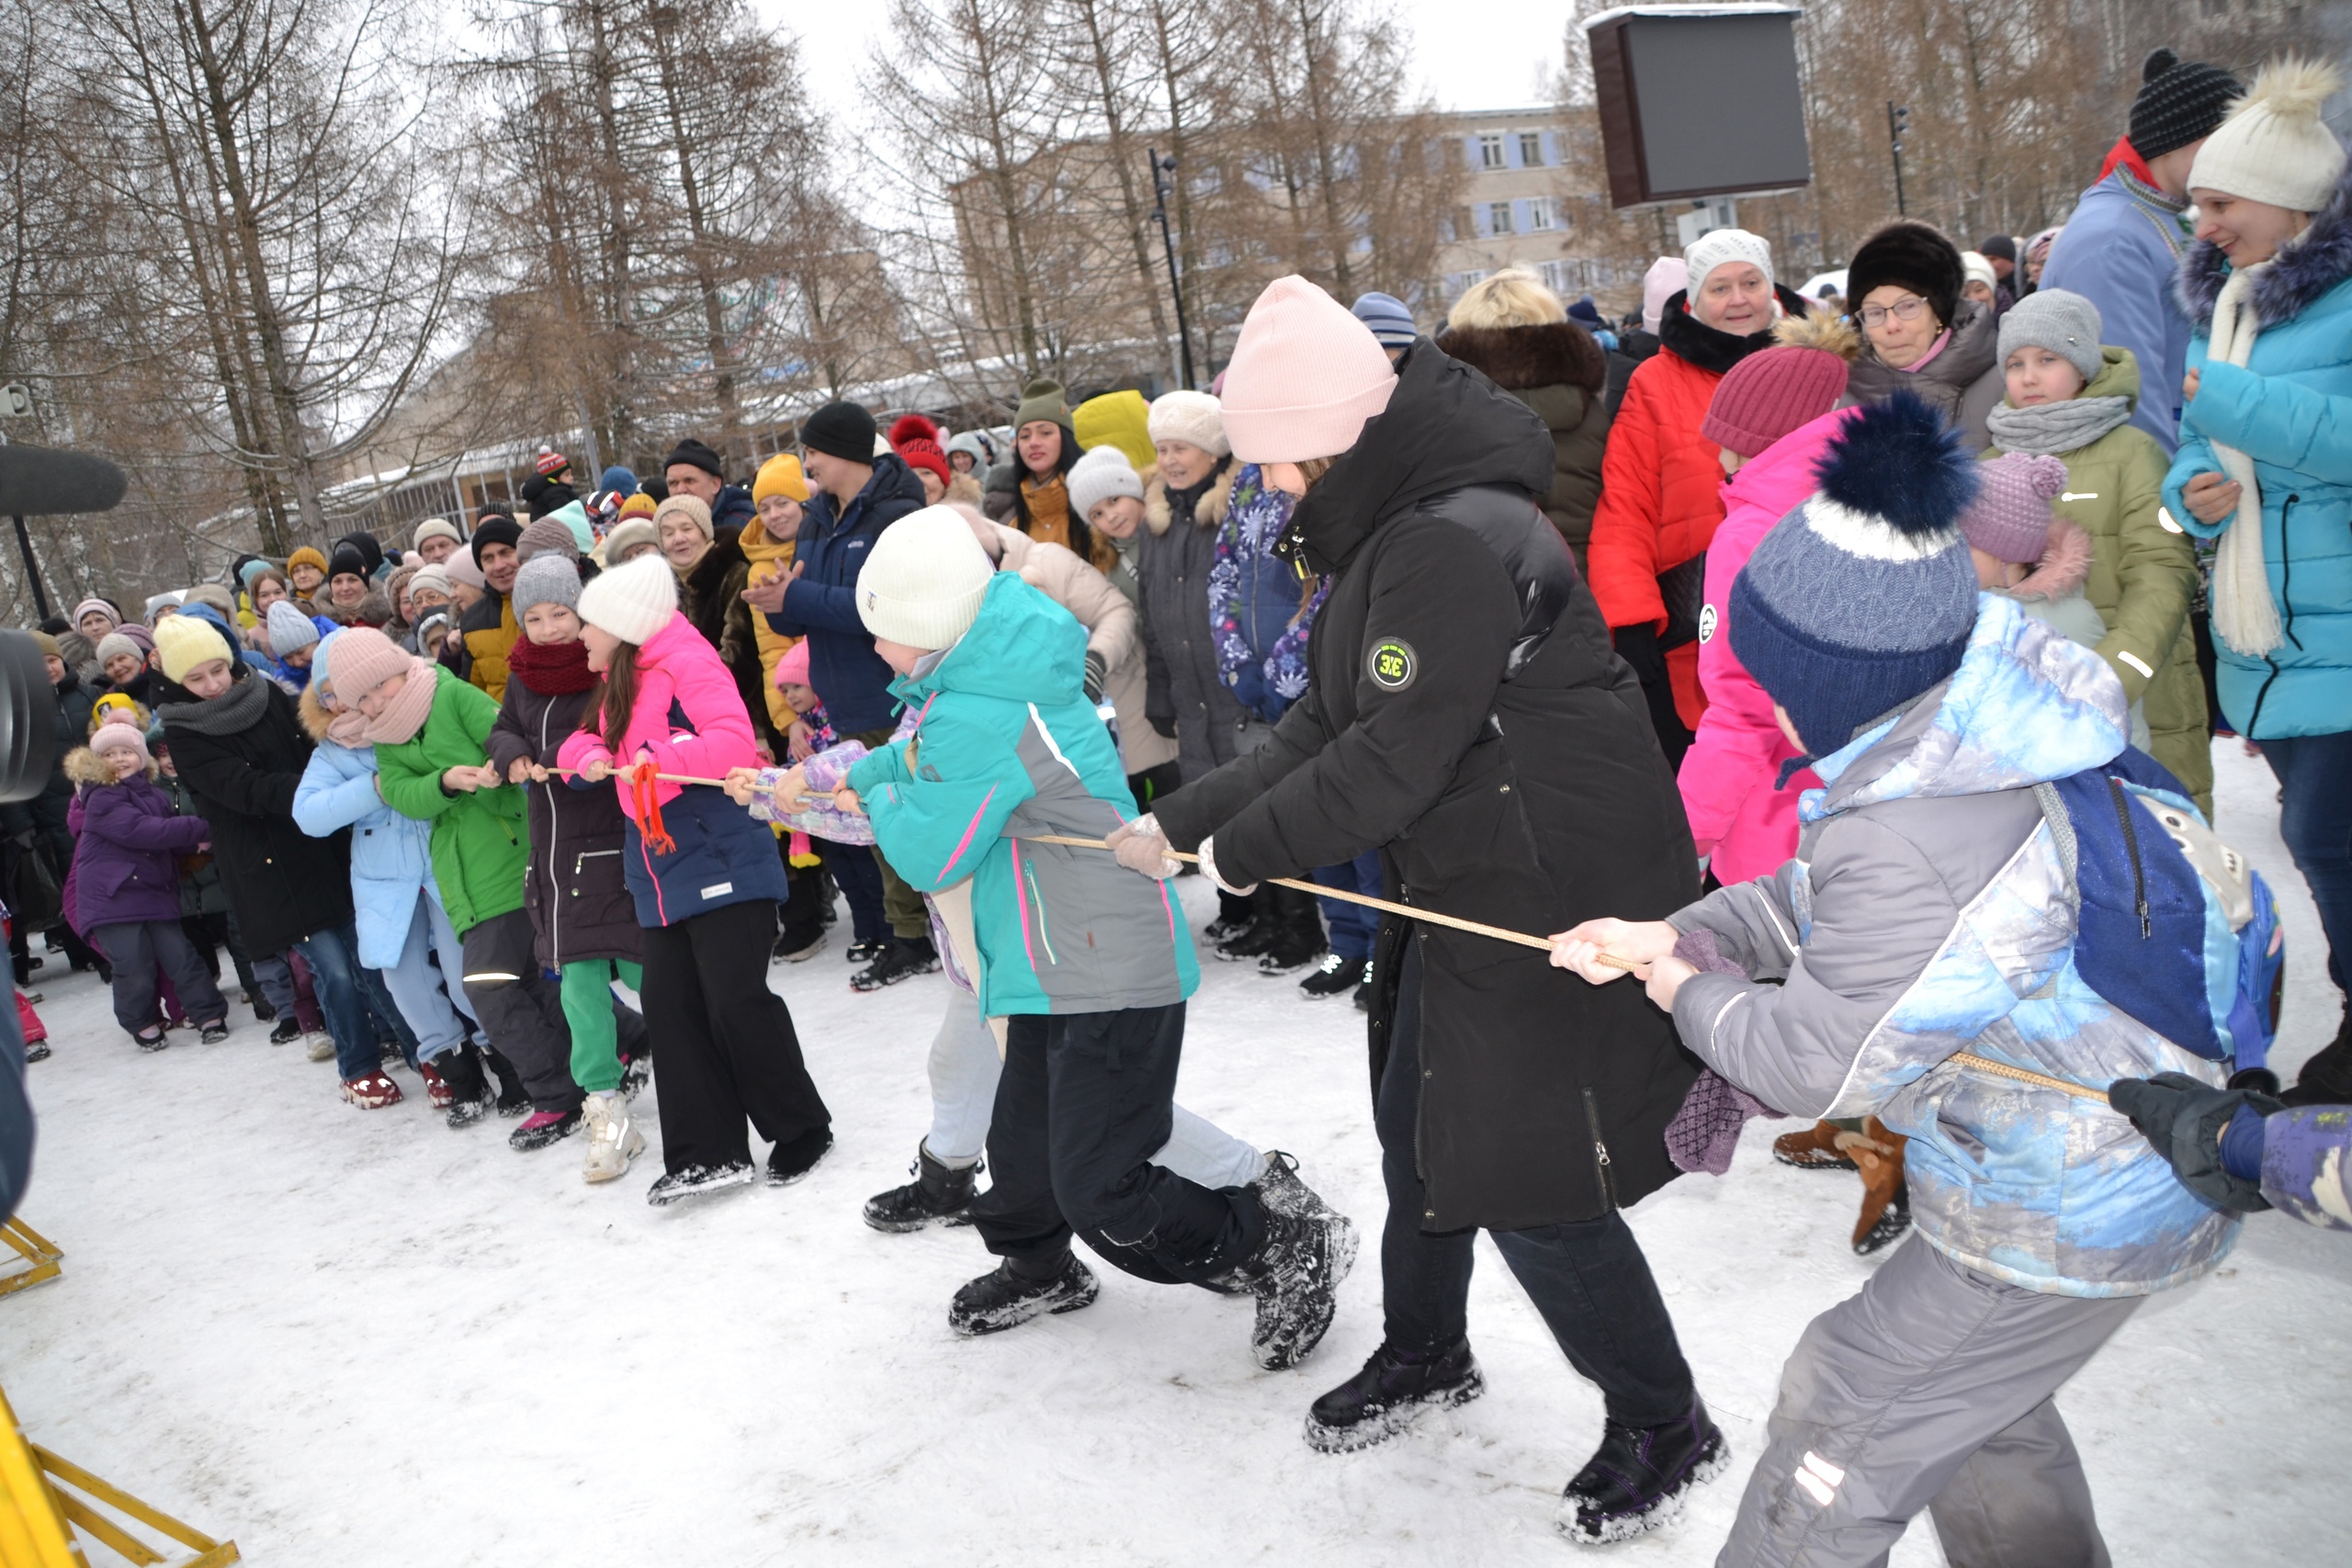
2177	930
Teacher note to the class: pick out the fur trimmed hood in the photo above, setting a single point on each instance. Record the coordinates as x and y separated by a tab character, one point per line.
1209	514
1553	353
2065	566
2318	259
375	610
1711	348
84	766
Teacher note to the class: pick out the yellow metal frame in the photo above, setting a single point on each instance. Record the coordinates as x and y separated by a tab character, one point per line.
39	1517
36	1250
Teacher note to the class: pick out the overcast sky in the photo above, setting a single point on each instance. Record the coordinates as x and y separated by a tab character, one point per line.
1471	55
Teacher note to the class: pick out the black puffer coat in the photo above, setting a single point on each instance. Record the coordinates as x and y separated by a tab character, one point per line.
579	905
1468	718
283	884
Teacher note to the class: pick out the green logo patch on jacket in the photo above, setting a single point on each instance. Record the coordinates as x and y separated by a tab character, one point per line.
1392	664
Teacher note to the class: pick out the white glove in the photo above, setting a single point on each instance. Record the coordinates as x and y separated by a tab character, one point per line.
1141	847
1208	869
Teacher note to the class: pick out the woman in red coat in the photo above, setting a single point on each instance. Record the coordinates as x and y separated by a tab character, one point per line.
1661	481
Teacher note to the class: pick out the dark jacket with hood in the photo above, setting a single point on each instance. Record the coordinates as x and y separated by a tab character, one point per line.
1962	382
1468	719
242	757
1184	694
1558	371
821	603
575	888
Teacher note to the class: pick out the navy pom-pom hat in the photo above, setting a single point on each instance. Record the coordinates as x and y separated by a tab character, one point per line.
1864	596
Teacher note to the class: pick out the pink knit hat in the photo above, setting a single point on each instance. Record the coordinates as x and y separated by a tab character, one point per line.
361	659
2010	518
792	670
1303	378
1769	393
112	734
1667	276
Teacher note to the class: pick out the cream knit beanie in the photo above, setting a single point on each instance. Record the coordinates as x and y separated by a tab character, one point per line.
186	641
635	601
1720	247
1305	376
923	580
2274	147
1189	416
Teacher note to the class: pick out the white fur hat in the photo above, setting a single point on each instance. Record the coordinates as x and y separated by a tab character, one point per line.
2274	147
1719	247
1195	417
635	601
922	582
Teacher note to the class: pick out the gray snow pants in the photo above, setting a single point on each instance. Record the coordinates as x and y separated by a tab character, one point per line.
1929	1389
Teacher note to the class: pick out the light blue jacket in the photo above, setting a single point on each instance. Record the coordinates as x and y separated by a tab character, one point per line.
2290	411
391	858
1927	914
2118	251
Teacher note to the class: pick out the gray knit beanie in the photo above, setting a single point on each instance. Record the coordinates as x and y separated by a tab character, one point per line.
289	628
546	579
2060	321
1099	475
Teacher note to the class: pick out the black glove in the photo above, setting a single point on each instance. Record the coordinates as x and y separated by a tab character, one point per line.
1096	671
2184	1120
1637	645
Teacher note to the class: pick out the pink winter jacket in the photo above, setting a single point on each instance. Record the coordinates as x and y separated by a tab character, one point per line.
1728	773
676	666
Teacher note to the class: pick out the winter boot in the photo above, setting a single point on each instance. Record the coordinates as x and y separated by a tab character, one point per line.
798	946
512	1098
286	1032
674	1186
1279	1188
320	1046
1635	1482
1006	1297
2326	1079
1295	1276
1234	916
544	1127
1298	933
901	958
939	1194
153	1039
436	1088
1335	976
371	1091
612	1137
1389	1395
636	1072
788	1162
214	1033
864	952
1815	1148
1886	1199
461	1075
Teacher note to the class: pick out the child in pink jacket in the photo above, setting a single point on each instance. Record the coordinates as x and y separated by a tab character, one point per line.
1773	415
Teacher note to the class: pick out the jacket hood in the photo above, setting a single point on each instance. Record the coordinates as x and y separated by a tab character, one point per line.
1023	647
1207	513
1553	353
315	718
2026	706
84	766
2065	566
1446	428
2118	376
2317	261
1712	349
1784	473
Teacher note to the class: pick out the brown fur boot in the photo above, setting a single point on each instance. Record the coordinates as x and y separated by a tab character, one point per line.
1886	1199
1815	1148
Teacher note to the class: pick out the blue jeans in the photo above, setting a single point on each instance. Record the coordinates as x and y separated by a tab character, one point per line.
1352	925
2315	819
333	957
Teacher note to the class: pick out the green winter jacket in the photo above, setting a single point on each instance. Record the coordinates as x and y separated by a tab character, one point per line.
1005	749
2143	577
481	842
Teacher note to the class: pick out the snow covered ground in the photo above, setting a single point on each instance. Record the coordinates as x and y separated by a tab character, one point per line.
363	1338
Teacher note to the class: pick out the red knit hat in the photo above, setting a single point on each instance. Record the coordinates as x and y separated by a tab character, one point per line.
1774	391
920	452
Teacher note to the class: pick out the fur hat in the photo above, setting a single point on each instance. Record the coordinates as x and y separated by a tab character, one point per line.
186	641
1862	597
2274	147
1775	390
1909	254
692	508
289	628
1667	276
635	601
2178	102
2062	322
780	475
923	580
436	528
114	733
549	579
1102	473
2009	519
1722	247
549	536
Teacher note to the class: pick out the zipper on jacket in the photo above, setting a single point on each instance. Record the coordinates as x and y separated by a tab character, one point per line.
2131	844
2286	601
1602	1177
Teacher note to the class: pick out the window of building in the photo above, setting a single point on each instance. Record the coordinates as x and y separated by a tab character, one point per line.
1560	276
1530	149
1498	217
1457	284
1539	215
1490	150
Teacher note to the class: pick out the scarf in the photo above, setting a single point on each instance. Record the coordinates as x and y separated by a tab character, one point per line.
2127	157
234	712
348	729
2050	430
2245	615
551	668
1048	506
399	723
1943	341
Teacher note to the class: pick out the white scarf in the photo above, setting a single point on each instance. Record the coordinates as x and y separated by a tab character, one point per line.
2245	613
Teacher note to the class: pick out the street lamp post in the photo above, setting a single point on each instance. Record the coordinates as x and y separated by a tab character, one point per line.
1162	186
1897	121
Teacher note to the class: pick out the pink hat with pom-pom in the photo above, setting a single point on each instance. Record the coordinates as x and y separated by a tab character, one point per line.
2010	517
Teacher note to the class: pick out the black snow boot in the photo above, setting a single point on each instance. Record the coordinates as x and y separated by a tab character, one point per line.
1295	1276
512	1098
1394	1387
1007	1298
788	1162
901	958
470	1090
1298	933
2326	1079
938	1195
1635	1482
1234	916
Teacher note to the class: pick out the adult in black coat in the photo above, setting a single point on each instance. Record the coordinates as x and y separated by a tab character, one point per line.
1468	718
38	826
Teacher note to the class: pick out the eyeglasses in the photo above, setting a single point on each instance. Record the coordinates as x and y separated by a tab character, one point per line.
1906	309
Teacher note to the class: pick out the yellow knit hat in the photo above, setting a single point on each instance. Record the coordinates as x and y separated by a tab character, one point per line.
307	556
186	641
640	505
1116	418
780	475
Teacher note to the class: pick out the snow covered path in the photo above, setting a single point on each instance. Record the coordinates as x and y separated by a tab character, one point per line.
363	1339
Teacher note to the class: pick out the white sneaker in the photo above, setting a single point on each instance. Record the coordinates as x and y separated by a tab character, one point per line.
321	1045
612	1137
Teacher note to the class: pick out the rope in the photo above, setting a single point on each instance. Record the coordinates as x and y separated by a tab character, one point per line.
1410	912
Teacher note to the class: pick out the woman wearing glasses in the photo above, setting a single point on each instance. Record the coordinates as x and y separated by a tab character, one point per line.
1905	288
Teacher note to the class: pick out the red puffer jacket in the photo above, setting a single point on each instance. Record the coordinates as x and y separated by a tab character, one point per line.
1661	481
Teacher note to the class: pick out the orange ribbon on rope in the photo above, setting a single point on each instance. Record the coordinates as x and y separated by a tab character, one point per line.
642	780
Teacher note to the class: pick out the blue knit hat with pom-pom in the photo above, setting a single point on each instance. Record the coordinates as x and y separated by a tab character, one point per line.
1864	596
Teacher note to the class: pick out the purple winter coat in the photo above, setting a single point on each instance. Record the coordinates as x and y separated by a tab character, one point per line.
127	863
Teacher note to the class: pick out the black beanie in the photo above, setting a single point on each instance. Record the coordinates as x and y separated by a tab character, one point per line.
1909	254
2000	246
496	531
840	430
371	554
346	559
493	510
2180	102
695	455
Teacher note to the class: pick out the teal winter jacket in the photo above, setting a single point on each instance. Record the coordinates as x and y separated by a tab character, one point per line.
1005	749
